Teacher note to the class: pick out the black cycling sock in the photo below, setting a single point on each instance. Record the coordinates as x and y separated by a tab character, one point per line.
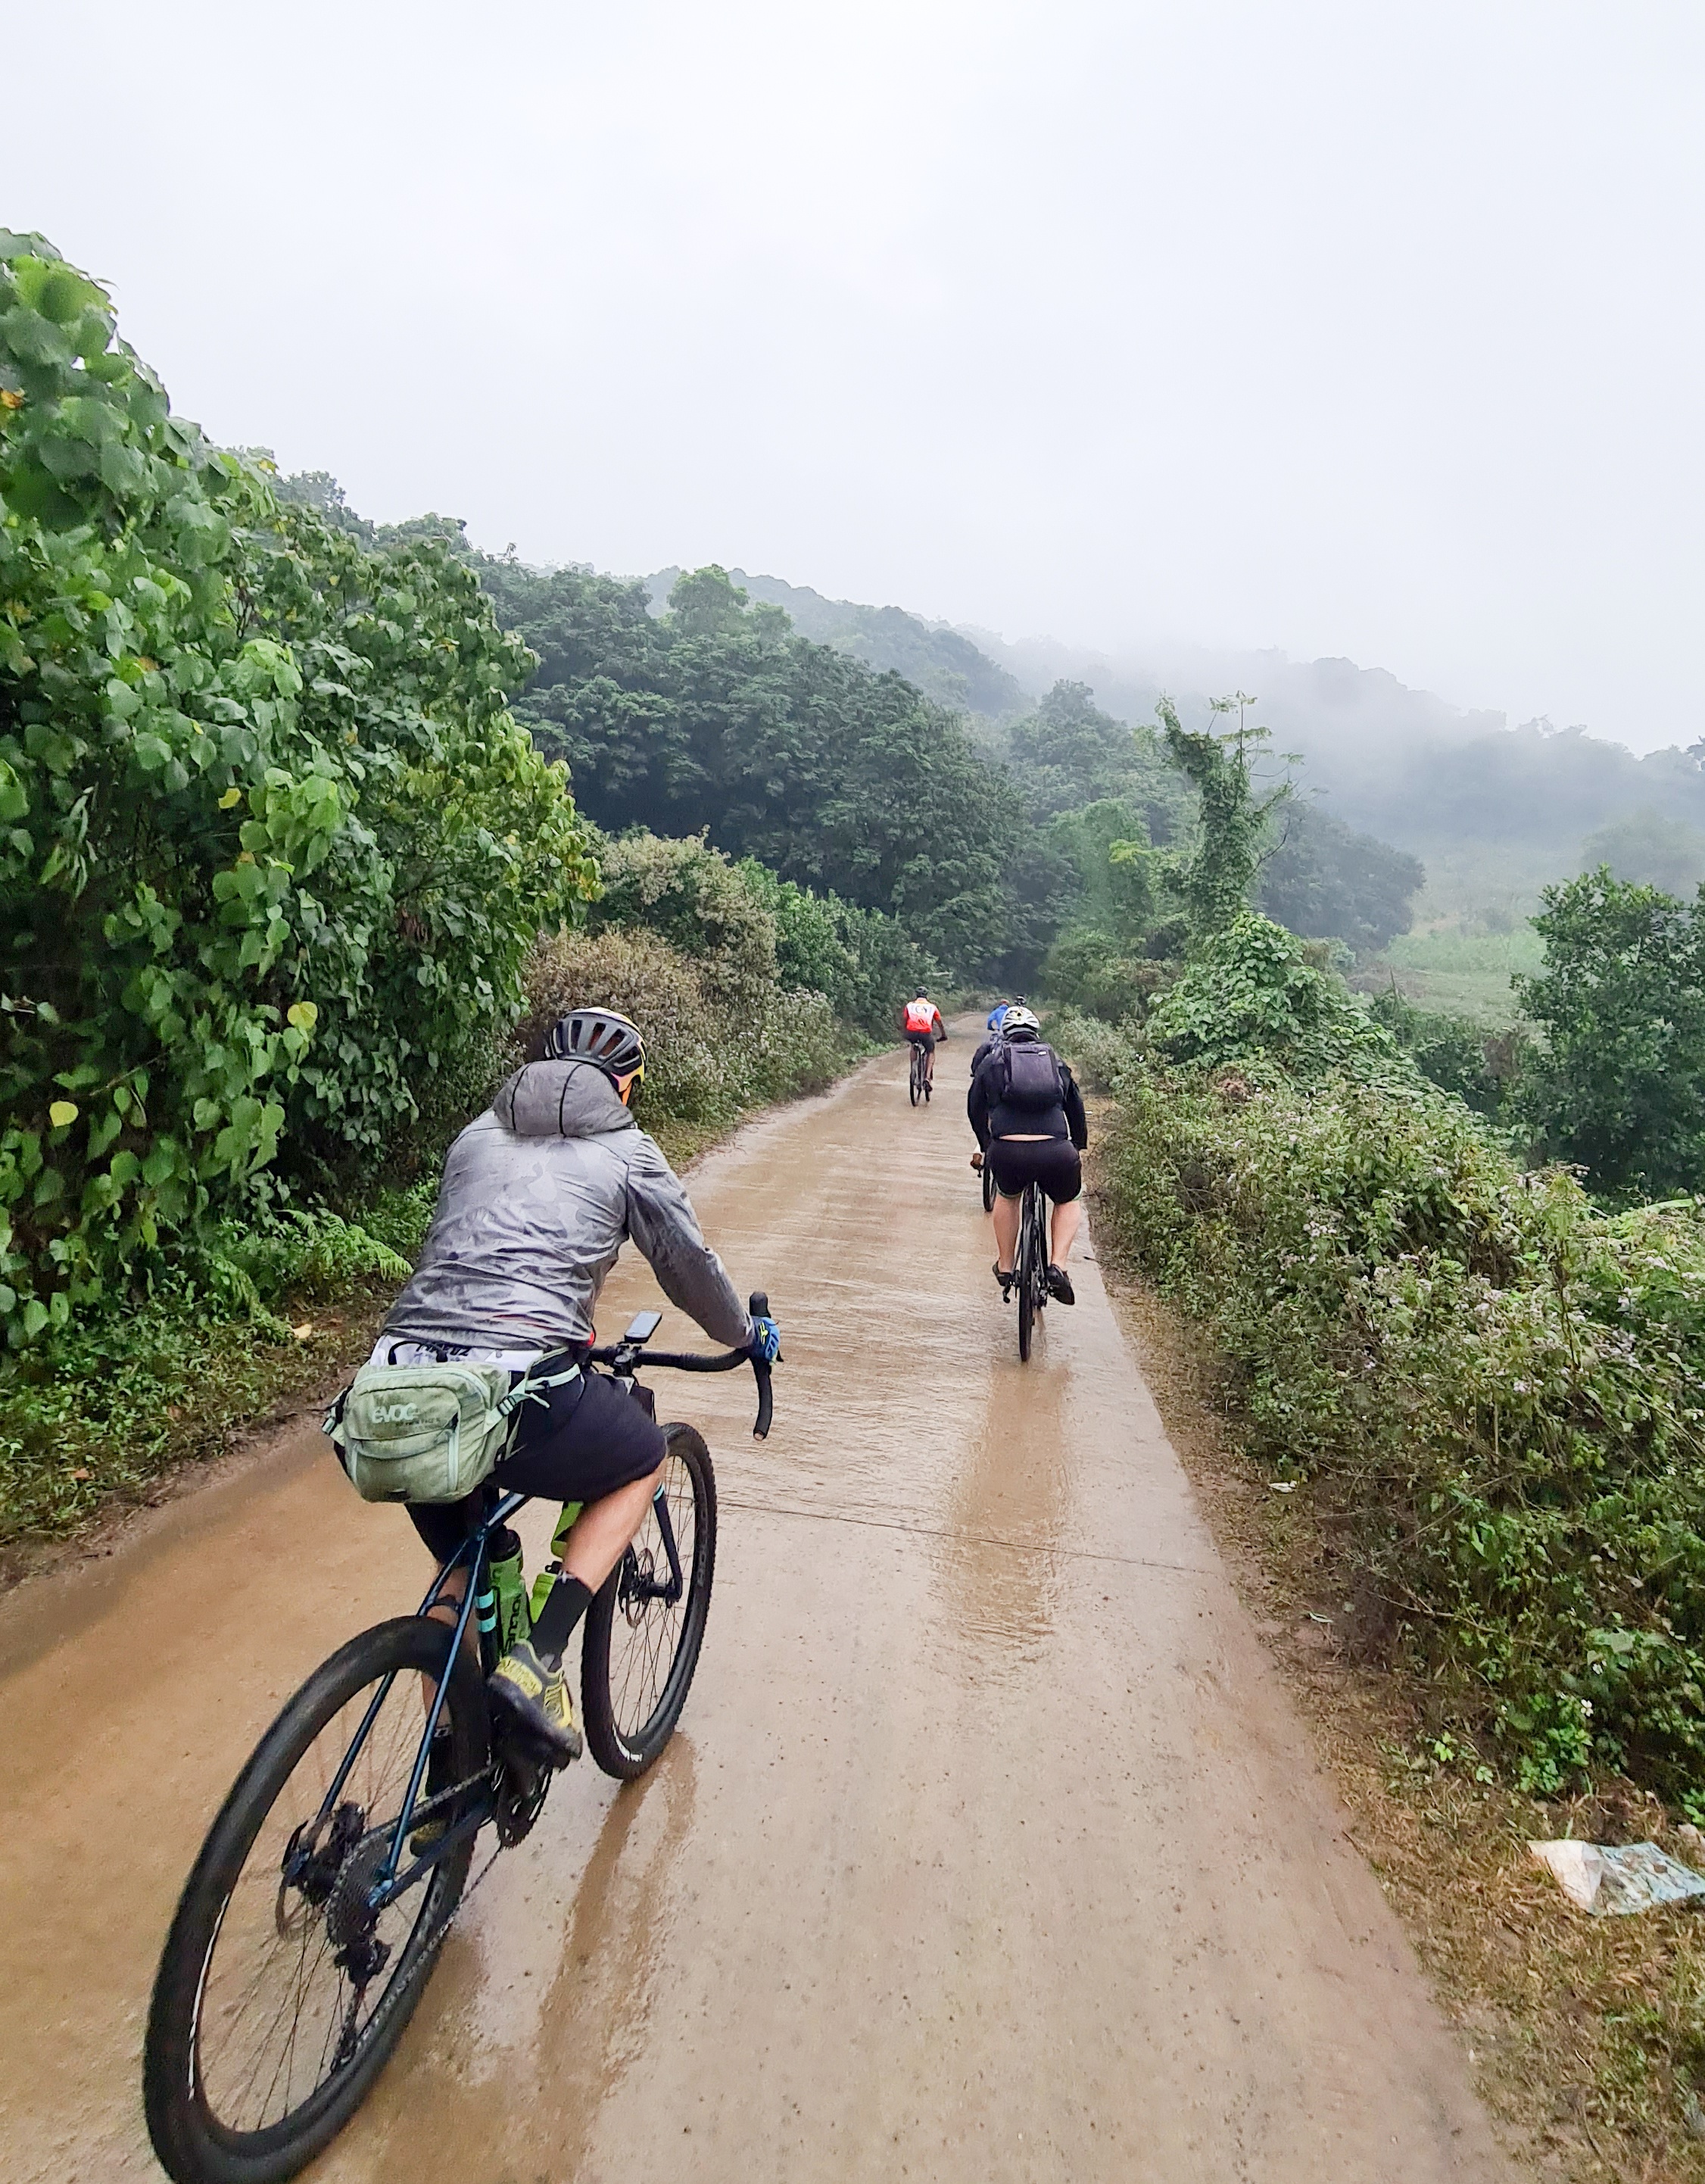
567	1601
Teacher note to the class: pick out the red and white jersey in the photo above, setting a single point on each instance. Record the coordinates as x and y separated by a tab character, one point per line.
922	1015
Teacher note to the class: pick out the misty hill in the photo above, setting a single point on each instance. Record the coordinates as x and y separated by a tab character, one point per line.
1405	765
941	661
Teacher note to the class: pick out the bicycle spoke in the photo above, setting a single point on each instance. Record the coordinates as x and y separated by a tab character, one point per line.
646	1636
278	2010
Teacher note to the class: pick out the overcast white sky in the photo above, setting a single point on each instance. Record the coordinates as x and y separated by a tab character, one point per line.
1363	329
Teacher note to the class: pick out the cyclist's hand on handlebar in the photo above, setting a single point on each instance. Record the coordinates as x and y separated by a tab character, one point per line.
767	1339
976	1160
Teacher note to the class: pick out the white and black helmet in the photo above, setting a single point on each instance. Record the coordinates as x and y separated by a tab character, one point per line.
1019	1018
599	1036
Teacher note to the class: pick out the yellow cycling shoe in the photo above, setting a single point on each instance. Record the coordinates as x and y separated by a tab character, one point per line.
535	1699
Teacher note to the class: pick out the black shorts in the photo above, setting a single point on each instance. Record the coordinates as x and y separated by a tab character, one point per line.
595	1439
925	1039
1052	1162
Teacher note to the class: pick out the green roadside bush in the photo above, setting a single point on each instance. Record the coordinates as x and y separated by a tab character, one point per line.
1251	990
862	961
1455	1053
712	1055
1497	1389
272	850
95	1412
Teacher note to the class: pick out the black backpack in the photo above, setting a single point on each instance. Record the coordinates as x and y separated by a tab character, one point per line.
1033	1075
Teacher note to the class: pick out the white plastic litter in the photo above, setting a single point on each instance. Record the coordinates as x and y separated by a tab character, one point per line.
1610	1880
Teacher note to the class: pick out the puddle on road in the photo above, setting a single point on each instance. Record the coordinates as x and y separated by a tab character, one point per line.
539	2010
999	1572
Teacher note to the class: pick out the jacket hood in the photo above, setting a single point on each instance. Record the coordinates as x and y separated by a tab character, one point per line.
561	1100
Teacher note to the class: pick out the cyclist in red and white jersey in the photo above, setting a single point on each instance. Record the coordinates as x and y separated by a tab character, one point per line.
921	1021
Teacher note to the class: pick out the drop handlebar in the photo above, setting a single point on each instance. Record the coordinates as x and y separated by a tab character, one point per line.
625	1357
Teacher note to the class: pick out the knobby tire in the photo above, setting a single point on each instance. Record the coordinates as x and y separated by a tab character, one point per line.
638	1658
230	1897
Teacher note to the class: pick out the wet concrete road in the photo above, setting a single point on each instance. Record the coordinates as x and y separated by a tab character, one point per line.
987	1848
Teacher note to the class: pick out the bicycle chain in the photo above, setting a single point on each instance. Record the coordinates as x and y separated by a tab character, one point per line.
478	1880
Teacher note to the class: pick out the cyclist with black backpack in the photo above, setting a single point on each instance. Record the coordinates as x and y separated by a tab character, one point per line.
1028	1116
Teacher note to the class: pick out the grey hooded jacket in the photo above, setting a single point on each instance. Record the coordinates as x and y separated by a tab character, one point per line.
539	1195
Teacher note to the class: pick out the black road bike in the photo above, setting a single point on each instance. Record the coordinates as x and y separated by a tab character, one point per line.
920	1073
1030	1267
312	1917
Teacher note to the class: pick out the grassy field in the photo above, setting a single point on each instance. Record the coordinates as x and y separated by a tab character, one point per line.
1458	973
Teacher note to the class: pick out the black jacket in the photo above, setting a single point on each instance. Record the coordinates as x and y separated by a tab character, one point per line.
990	1118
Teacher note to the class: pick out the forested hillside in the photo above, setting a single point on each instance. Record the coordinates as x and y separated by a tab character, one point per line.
718	715
709	710
945	664
1493	812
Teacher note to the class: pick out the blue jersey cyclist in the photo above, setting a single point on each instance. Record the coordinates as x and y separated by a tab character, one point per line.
539	1195
996	1018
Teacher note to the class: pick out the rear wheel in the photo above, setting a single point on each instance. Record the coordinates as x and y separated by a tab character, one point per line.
917	1079
1032	1268
280	1995
988	1185
641	1647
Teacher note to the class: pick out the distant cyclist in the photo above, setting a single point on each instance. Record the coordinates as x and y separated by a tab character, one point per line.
920	1020
1028	1116
996	1015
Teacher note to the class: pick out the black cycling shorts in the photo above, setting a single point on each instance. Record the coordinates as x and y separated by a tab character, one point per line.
595	1439
921	1039
1052	1162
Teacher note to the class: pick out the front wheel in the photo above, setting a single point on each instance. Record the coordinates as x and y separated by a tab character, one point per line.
280	1994
646	1624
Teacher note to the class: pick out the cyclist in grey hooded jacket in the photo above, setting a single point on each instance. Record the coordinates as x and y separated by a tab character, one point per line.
539	1193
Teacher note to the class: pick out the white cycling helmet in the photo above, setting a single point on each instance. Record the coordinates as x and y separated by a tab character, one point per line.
613	1042
1019	1018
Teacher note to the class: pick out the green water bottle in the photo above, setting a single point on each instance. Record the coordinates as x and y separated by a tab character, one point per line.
553	1570
509	1590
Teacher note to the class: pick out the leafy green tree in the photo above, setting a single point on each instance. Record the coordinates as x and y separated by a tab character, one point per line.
272	852
707	602
697	900
1116	893
1094	971
1213	881
1619	1085
1069	754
